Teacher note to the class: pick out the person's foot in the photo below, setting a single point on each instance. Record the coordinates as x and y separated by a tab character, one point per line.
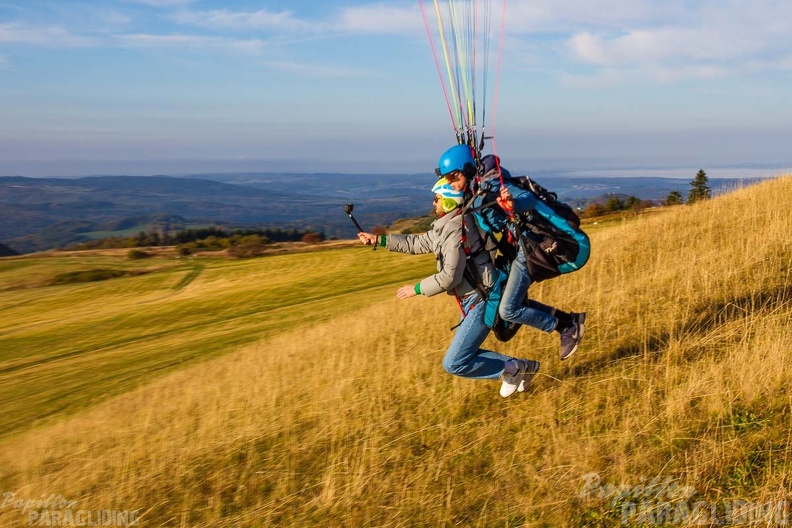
519	381
529	376
571	335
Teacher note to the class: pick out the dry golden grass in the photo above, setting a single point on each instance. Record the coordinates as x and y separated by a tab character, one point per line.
65	347
683	374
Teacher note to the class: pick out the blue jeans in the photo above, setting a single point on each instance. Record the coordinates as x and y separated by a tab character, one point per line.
464	356
512	309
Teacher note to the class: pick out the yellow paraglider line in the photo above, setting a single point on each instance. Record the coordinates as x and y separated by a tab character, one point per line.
459	28
451	80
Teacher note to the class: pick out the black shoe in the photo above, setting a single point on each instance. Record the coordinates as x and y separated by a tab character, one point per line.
571	335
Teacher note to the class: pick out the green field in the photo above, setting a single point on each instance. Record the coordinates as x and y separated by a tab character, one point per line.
65	347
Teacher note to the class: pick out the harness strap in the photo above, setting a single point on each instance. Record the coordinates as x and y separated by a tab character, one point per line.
471	273
461	309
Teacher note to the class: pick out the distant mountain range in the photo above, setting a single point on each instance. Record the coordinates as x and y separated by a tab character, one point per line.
41	213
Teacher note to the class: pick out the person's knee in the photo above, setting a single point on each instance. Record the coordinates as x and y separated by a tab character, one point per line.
453	367
509	312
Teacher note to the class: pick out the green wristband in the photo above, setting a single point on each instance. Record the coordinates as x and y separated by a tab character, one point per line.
383	242
417	288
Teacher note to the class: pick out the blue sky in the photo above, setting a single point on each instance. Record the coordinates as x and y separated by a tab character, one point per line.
163	86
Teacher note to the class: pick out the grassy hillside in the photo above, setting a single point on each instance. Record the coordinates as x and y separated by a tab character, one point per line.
66	346
350	421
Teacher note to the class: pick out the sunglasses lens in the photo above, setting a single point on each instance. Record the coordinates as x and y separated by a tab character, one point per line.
437	172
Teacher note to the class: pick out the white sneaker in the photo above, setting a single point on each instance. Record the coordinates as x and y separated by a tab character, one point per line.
519	381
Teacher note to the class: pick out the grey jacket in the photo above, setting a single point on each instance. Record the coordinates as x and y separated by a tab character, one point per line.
445	241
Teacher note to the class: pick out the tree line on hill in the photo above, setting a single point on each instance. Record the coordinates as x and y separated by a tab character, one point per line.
699	190
615	203
239	242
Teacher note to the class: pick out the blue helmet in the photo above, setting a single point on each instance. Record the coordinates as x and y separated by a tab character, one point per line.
455	159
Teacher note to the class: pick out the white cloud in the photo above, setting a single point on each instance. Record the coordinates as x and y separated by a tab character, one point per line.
693	71
220	19
613	40
375	19
319	70
664	45
162	3
380	19
671	54
50	36
253	47
144	40
609	77
701	40
604	78
563	16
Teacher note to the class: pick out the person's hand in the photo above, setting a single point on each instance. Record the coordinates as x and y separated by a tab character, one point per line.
367	238
405	292
505	200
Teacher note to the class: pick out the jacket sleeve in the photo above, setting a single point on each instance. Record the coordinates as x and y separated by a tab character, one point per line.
413	244
451	262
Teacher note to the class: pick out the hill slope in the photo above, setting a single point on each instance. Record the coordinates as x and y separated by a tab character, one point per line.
683	376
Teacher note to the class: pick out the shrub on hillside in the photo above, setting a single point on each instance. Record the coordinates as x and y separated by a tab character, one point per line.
633	203
313	238
76	277
595	209
674	198
247	250
613	204
136	254
211	243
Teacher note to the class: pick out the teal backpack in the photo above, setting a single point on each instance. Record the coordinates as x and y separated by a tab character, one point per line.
549	234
